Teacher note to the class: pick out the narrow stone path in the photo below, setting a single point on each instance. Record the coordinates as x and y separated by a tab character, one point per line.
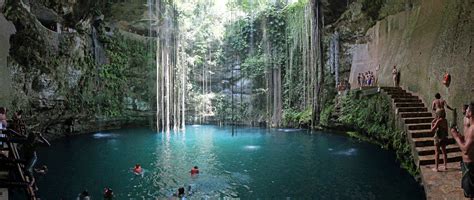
416	119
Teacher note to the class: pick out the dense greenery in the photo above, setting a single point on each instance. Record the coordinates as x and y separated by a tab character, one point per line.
372	116
123	75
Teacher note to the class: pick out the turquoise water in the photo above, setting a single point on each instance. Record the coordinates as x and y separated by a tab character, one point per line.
251	163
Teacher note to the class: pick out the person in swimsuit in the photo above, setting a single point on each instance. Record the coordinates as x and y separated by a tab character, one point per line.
439	104
138	169
358	80
466	121
108	193
439	127
466	144
395	76
194	170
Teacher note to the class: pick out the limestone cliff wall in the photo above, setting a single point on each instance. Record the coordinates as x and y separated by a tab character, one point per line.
424	42
6	29
56	78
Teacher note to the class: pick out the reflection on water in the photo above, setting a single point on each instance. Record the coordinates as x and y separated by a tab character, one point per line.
251	147
254	163
105	135
347	152
286	130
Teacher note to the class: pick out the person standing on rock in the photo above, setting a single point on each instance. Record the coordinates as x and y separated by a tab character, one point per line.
466	144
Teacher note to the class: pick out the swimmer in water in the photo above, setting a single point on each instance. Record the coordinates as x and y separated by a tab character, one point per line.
42	171
84	195
194	170
108	193
180	192
138	169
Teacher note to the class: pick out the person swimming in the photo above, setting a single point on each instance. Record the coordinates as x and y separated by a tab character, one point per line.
108	193
84	195
194	170
180	192
42	171
138	169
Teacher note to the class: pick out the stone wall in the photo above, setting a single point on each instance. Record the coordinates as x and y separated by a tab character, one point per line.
54	77
6	29
424	42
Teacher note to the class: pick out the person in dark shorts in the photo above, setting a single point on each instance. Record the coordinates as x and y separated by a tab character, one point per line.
439	126
466	144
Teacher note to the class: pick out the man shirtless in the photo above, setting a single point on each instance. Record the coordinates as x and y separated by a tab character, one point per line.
439	104
466	121
466	144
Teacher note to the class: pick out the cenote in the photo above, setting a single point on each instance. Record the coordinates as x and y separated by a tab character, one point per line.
248	163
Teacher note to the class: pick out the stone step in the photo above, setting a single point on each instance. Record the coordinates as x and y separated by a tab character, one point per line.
421	133
424	126
415	114
401	95
430	150
395	91
430	159
409	100
428	141
390	92
390	88
404	98
417	120
410	109
409	104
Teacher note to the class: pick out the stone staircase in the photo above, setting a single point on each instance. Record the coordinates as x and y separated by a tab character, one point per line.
417	121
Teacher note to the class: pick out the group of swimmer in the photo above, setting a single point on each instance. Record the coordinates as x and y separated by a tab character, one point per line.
138	170
108	194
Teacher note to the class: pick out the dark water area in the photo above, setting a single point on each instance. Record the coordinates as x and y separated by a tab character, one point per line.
248	164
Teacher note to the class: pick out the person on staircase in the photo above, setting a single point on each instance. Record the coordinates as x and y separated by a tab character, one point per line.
439	127
439	104
466	144
395	76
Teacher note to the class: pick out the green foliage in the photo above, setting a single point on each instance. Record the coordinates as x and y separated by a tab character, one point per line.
326	114
372	116
392	7
372	8
127	11
292	118
123	77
